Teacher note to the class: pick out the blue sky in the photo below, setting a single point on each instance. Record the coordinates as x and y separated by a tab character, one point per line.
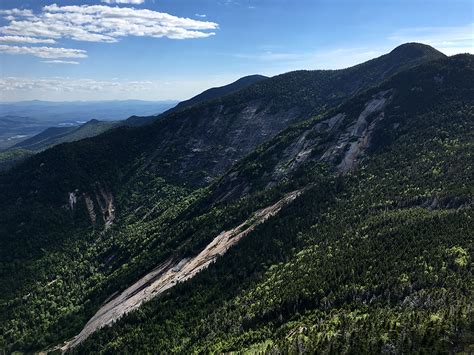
173	49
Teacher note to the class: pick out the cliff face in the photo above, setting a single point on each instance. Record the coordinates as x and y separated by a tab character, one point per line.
202	139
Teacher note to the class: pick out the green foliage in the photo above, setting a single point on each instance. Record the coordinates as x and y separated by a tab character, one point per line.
378	260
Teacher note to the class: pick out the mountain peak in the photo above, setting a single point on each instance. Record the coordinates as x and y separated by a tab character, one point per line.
416	50
250	78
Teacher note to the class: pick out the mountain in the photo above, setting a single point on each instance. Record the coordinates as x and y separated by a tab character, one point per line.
56	135
24	119
84	110
206	95
326	167
217	92
324	239
16	128
214	135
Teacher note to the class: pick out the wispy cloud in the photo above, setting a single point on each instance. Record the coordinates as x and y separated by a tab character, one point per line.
134	2
58	61
14	88
100	23
329	58
24	39
200	15
449	40
44	52
70	85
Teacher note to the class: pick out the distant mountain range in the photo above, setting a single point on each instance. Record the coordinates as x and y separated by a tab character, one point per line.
325	211
20	120
83	110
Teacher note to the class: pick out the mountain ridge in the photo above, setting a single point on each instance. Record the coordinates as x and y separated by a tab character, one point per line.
246	315
142	215
220	91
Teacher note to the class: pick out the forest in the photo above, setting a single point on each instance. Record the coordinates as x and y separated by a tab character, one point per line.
375	260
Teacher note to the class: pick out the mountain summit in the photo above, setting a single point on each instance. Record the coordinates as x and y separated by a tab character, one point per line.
415	50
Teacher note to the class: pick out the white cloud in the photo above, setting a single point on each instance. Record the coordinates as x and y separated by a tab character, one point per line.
70	89
100	23
44	52
58	61
200	15
135	2
449	40
275	62
17	12
23	39
60	84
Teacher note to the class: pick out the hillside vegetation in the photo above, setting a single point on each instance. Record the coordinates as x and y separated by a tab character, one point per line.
373	255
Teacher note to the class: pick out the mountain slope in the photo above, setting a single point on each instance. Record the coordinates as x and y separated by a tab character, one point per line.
217	92
85	220
184	150
381	254
56	135
206	95
22	119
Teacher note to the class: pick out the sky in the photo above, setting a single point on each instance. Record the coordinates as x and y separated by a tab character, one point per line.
67	50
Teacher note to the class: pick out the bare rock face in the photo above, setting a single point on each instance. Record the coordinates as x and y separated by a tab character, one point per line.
361	134
105	200
347	140
99	202
172	271
90	208
341	140
72	200
203	142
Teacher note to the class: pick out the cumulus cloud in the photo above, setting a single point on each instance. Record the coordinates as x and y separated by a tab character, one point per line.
17	12
135	2
44	52
58	61
101	23
24	39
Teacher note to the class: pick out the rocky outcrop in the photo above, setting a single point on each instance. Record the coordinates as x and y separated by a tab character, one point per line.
341	140
72	200
173	271
360	135
90	208
353	141
105	200
102	200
